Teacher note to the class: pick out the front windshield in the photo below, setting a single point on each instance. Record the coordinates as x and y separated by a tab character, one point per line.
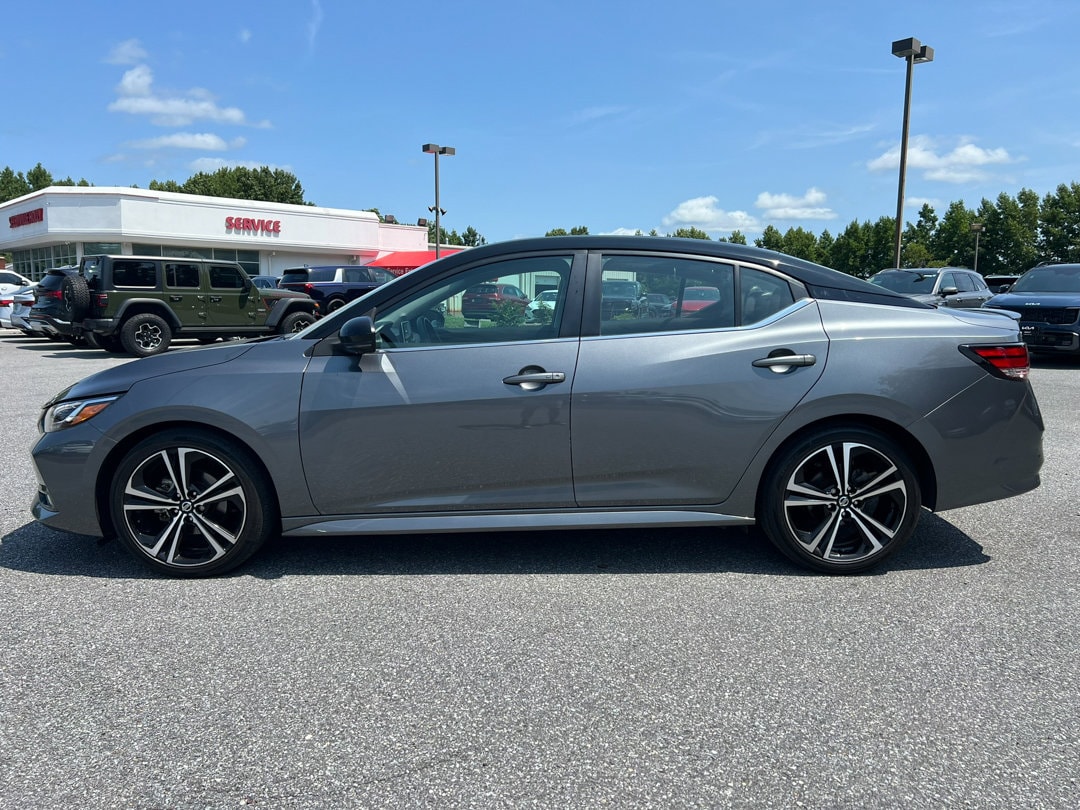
1049	279
906	282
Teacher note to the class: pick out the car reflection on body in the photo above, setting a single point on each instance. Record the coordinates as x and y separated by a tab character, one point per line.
827	411
936	286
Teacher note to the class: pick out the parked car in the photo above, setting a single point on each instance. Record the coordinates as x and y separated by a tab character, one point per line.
620	298
15	308
11	281
332	286
658	305
937	286
698	298
377	419
545	301
1000	282
50	314
140	303
484	300
1047	300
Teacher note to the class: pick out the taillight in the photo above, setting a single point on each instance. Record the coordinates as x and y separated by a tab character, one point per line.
101	301
1010	362
308	288
6	302
57	294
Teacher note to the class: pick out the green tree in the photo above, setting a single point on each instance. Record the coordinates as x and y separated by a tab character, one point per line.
737	238
239	182
39	177
472	238
1059	225
770	239
953	244
824	247
690	233
12	185
800	243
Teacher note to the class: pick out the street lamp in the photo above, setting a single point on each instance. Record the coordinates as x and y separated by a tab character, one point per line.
436	150
977	228
912	51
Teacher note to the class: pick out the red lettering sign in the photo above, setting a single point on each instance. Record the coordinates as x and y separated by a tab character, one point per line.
28	218
257	225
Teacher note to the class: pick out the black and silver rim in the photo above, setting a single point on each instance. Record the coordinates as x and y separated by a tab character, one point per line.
147	336
184	507
845	502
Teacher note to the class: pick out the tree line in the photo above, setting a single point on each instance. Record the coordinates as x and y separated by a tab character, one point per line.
1017	232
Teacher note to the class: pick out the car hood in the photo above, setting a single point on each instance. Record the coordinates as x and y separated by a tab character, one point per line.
1035	299
119	379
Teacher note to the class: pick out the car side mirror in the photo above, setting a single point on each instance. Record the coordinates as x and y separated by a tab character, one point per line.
1004	288
948	291
357	335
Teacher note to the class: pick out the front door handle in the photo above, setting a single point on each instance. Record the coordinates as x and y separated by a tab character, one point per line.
533	380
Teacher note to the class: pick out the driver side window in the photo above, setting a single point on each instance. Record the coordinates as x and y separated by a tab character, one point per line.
508	301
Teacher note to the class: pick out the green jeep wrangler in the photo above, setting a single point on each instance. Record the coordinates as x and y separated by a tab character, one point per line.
138	304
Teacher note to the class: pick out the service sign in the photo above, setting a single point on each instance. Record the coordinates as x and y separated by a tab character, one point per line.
249	225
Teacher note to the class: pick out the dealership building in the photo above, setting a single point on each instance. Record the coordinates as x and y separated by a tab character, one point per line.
59	225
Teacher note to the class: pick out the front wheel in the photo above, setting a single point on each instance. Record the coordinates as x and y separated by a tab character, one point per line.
190	503
841	500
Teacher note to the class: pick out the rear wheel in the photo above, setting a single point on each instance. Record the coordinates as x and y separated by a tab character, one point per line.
295	322
145	334
334	304
841	500
191	503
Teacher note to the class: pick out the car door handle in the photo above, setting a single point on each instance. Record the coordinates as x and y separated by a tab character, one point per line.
781	360
533	380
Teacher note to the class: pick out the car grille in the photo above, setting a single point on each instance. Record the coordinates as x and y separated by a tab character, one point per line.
1055	315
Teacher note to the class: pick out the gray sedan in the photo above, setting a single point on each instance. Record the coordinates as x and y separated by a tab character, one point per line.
826	410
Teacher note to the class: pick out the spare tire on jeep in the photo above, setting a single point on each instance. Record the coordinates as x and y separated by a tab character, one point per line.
74	298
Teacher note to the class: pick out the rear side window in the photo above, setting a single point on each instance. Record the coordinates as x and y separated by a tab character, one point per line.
762	294
182	275
129	273
52	281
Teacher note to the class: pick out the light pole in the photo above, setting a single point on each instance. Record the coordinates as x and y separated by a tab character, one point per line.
977	228
912	51
436	150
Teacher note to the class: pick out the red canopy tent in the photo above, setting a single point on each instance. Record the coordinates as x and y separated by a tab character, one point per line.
401	261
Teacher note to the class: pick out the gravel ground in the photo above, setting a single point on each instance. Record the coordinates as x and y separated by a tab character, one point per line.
651	668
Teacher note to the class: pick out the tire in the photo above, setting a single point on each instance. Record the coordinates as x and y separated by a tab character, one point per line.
74	298
845	526
191	503
145	334
295	322
334	304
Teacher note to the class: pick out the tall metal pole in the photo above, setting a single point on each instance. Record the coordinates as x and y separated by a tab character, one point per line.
438	226
903	160
436	150
911	51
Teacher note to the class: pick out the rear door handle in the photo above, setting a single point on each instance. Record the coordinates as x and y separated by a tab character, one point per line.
782	361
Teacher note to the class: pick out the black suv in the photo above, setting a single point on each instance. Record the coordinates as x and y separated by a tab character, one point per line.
140	303
49	316
1047	299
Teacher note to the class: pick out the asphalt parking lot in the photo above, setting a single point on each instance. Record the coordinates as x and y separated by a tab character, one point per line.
655	668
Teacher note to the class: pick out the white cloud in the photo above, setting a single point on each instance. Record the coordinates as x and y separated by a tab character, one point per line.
965	163
703	213
127	52
786	206
245	36
315	23
190	140
137	97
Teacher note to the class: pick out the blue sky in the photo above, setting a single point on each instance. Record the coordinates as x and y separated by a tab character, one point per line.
614	115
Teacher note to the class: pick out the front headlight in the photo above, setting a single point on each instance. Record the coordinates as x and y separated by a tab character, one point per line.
68	414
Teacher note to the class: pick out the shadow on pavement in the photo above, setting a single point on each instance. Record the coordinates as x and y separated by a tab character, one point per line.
936	544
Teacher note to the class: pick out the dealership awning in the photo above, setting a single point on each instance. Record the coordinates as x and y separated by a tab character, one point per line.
408	259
